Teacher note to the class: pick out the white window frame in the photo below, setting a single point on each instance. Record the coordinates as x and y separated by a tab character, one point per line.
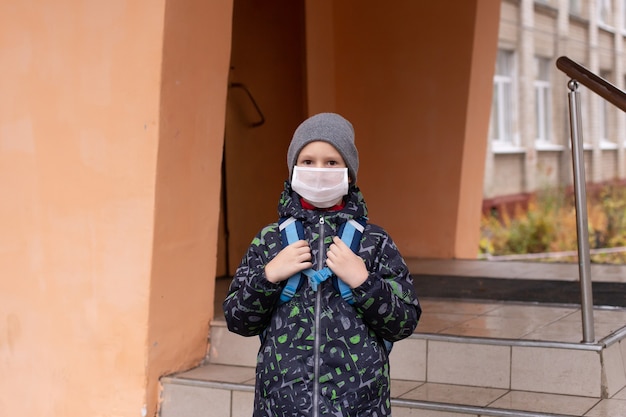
543	103
586	100
604	117
622	24
575	7
502	130
605	13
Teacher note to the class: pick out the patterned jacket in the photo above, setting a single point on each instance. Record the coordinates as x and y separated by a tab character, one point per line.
321	356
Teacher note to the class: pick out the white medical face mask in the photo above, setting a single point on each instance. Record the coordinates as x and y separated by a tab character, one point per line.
322	187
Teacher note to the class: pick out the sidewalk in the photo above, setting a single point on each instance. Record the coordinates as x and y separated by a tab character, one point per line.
515	269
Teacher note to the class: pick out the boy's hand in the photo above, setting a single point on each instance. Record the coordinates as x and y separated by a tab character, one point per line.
347	265
293	258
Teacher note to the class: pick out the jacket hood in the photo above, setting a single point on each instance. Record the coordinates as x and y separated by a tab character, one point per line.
289	205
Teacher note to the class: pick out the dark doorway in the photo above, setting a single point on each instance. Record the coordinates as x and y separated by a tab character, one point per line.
265	104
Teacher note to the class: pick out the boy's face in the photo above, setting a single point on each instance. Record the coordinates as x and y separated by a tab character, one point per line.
320	154
320	176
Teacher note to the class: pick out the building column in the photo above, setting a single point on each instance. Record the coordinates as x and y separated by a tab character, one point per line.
620	122
561	94
527	93
592	122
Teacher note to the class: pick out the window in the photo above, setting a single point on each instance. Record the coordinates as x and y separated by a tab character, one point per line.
604	114
543	109
575	7
623	23
605	12
585	101
502	110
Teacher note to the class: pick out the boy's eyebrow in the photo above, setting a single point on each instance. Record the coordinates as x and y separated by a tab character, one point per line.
306	155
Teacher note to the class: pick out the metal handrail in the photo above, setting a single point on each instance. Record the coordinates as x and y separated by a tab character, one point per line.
609	92
253	101
595	83
582	226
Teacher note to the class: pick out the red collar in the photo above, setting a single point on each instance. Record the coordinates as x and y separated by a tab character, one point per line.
308	206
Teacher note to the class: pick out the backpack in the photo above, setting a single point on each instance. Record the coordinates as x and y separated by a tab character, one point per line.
350	233
291	230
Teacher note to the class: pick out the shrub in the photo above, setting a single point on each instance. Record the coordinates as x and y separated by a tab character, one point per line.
548	224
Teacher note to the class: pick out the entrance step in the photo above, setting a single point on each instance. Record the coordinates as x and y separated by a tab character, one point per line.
228	390
434	375
592	370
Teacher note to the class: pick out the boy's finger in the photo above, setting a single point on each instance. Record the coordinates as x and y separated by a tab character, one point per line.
337	241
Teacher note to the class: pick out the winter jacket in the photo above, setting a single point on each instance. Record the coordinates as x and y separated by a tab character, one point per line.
321	356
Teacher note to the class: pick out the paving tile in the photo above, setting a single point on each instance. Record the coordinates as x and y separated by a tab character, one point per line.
455	394
560	331
608	408
497	333
221	351
556	371
413	412
546	403
608	273
221	373
561	271
407	360
243	404
438	322
603	330
615	316
621	395
457	307
495	327
400	387
472	364
191	401
613	368
532	313
602	315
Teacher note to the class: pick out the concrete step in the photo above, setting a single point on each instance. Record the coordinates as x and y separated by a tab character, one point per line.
228	390
594	370
432	375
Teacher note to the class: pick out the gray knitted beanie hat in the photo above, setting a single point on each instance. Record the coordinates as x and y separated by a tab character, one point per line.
327	127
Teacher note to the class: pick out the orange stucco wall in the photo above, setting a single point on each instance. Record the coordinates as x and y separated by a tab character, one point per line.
483	49
91	263
196	54
415	79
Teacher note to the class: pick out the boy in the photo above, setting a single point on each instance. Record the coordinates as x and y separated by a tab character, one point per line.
322	354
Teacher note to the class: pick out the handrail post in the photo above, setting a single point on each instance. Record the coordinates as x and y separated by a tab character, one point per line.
582	230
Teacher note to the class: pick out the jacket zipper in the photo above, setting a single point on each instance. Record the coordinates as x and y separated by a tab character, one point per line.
318	306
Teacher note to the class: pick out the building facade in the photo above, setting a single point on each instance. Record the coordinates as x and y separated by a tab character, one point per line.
118	121
529	137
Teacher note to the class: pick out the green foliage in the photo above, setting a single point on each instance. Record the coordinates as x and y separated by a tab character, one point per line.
613	202
548	224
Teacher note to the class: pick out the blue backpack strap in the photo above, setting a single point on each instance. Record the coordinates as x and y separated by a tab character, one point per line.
317	277
350	233
291	231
